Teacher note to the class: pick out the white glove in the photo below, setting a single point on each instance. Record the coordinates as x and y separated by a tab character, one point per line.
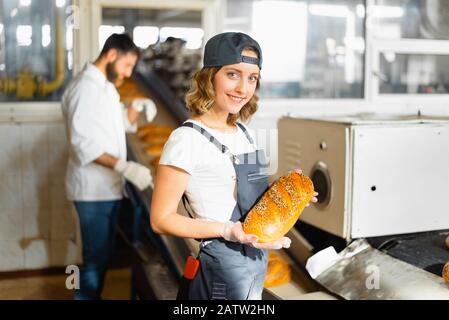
233	231
134	172
147	104
129	127
283	242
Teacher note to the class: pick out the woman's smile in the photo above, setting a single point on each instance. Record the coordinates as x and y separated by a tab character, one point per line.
236	98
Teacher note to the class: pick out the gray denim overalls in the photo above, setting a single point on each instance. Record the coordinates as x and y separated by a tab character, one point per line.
231	270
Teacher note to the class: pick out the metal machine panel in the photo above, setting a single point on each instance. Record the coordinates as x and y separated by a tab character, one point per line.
400	179
376	176
321	147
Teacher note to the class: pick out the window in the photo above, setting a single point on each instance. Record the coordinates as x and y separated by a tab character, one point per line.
24	34
192	36
414	74
410	19
106	31
35	50
170	40
46	35
410	49
152	26
144	36
310	49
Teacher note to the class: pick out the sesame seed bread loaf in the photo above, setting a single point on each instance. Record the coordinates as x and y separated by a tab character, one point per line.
279	208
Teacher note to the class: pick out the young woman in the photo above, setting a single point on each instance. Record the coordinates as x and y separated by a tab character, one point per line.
213	160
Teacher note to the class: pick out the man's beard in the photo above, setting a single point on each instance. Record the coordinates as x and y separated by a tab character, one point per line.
112	75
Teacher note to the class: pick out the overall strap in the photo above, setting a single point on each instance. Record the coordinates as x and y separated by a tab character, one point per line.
205	133
184	200
246	132
211	138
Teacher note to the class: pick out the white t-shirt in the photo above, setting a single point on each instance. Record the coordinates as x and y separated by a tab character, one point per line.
211	188
95	124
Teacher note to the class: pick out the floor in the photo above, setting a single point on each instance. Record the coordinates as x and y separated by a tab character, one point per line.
52	287
50	284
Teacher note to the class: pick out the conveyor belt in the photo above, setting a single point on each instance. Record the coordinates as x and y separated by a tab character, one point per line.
158	90
363	272
426	250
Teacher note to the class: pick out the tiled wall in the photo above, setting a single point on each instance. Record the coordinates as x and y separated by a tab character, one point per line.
38	226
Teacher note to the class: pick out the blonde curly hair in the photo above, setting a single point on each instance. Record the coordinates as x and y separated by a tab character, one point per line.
201	96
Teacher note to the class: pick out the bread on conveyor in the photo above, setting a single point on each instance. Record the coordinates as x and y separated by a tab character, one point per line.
155	150
279	208
155	162
129	90
278	271
155	138
447	242
154	129
445	272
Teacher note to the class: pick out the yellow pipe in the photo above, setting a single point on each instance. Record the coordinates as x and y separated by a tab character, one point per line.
45	88
7	85
26	84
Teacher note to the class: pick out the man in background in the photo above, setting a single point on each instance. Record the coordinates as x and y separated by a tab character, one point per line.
96	124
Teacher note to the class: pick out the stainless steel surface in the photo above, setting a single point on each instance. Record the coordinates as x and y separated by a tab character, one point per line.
367	273
299	147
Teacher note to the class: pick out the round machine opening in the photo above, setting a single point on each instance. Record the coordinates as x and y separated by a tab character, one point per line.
322	183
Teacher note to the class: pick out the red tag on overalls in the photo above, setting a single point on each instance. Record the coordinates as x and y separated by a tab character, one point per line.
191	268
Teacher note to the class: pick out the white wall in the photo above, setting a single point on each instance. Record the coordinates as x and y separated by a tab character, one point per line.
38	228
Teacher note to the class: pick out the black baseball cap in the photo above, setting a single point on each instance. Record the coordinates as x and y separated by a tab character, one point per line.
226	48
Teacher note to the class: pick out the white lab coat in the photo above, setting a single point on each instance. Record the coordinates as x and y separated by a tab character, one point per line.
95	124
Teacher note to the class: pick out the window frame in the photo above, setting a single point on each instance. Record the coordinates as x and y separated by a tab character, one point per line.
403	46
372	99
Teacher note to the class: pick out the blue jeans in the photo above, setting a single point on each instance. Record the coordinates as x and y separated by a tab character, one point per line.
98	224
